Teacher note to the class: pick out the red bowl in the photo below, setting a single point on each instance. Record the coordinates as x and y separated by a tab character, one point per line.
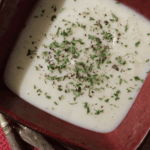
129	133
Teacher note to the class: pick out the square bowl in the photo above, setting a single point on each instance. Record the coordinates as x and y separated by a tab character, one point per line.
127	136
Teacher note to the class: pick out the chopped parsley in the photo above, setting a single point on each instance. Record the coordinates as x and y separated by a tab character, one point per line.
117	95
111	75
36	68
48	97
107	100
83	26
108	62
119	59
114	16
117	2
60	89
137	78
116	30
58	31
62	10
97	112
87	107
137	44
126	28
130	98
60	98
120	81
55	103
71	83
112	20
91	18
128	90
78	24
73	103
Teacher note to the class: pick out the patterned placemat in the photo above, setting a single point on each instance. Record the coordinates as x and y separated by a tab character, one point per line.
4	145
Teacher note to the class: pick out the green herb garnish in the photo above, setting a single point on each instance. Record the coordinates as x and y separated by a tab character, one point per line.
114	16
137	78
62	10
126	28
60	98
36	68
130	98
137	44
58	31
87	107
98	111
48	97
117	2
91	18
55	103
107	100
119	59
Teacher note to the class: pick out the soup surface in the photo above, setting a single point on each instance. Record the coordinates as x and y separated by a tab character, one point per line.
82	61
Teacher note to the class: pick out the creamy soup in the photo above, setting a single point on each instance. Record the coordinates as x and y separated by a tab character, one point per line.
83	61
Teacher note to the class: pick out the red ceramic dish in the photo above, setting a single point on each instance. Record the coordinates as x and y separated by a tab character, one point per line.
127	136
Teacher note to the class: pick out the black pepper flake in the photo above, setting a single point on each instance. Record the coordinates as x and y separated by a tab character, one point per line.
106	22
75	56
73	75
43	11
115	67
55	9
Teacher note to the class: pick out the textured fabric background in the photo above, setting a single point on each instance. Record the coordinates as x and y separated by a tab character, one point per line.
4	145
